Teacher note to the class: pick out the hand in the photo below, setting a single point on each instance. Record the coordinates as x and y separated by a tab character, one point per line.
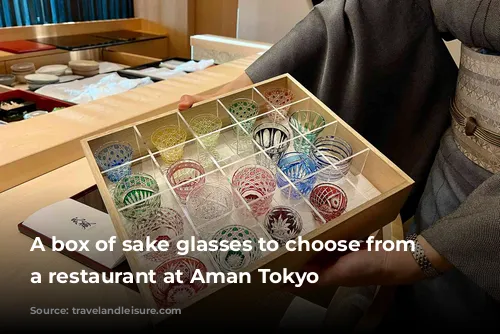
187	101
355	269
350	268
360	268
380	267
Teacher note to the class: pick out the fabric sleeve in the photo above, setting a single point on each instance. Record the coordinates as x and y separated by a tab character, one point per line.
469	238
475	23
299	46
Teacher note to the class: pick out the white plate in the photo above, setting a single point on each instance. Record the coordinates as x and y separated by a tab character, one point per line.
41	78
52	69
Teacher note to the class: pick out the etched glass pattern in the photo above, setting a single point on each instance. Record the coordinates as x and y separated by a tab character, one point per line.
283	224
308	123
166	137
114	154
329	200
330	150
296	166
256	185
137	188
236	260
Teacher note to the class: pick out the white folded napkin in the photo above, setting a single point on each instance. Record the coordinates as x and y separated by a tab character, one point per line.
192	66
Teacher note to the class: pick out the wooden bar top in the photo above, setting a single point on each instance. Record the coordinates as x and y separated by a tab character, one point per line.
39	175
36	146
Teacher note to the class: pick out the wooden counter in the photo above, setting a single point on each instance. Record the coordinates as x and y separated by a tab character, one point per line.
52	140
46	152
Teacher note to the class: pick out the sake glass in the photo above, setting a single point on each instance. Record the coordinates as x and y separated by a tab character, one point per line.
229	260
166	137
256	184
306	126
273	138
329	200
209	202
168	295
299	169
279	98
205	124
242	109
283	223
185	176
331	154
139	188
164	224
115	154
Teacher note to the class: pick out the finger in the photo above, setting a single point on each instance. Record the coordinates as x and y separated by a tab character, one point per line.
355	269
317	265
186	102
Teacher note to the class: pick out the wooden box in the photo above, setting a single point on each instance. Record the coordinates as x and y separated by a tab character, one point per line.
375	188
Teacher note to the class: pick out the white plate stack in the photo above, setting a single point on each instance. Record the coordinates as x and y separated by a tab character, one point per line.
20	70
36	81
86	68
57	70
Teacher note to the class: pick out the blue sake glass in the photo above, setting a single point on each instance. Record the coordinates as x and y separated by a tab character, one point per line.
115	154
296	167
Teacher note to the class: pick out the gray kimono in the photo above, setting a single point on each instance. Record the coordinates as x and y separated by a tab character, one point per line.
383	67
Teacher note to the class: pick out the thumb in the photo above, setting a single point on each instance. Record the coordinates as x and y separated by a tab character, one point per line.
186	102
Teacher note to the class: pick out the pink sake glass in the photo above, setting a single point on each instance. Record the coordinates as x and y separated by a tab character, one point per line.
256	184
185	176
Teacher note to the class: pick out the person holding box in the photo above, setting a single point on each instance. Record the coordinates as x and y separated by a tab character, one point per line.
382	66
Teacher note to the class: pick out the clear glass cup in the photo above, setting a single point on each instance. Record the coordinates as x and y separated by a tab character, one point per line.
209	202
